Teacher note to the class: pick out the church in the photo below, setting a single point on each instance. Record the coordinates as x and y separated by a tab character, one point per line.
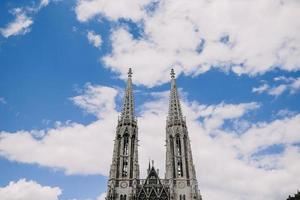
180	181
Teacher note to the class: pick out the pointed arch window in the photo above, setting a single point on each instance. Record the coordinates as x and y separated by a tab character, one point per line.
178	145
185	143
179	157
132	155
125	146
125	167
118	154
182	197
172	155
179	167
125	154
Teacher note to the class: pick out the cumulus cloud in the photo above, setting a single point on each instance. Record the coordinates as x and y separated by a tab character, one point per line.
97	100
227	155
20	26
23	19
28	190
113	9
247	37
260	89
102	196
289	84
94	39
69	146
285	113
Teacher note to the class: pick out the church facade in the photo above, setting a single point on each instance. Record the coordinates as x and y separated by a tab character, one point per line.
180	181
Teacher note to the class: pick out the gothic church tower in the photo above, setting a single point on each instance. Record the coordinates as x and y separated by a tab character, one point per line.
124	170
180	170
180	181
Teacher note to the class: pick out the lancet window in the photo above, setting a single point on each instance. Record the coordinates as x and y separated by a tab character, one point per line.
126	141
179	156
125	167
178	145
172	155
132	155
185	142
118	153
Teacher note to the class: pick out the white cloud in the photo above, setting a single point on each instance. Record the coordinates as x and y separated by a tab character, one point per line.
295	85
102	196
283	78
285	113
217	158
44	3
97	100
276	91
262	35
261	88
113	9
20	26
94	39
215	115
263	134
290	84
226	156
28	190
73	147
23	19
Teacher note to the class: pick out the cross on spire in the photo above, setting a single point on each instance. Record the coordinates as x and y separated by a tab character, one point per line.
175	112
129	73
128	102
172	73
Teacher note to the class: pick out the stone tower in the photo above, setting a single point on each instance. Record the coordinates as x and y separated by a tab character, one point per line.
180	181
124	170
180	170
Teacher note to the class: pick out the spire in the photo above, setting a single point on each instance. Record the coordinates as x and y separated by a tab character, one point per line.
175	112
149	167
127	114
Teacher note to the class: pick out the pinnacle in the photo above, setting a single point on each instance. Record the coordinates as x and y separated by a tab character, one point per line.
172	73
127	114
175	112
129	73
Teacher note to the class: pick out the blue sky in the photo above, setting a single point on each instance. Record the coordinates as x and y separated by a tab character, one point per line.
63	66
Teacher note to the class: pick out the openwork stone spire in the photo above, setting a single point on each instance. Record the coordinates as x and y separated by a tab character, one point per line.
180	169
124	181
124	170
127	114
175	113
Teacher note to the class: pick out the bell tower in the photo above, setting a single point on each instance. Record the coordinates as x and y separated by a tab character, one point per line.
180	170
124	170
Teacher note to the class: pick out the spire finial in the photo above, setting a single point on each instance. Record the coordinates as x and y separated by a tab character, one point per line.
128	101
172	73
149	167
129	73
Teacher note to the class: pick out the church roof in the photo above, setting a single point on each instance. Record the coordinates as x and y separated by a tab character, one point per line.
152	187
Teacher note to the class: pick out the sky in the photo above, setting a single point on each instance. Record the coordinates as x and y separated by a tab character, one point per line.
63	70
